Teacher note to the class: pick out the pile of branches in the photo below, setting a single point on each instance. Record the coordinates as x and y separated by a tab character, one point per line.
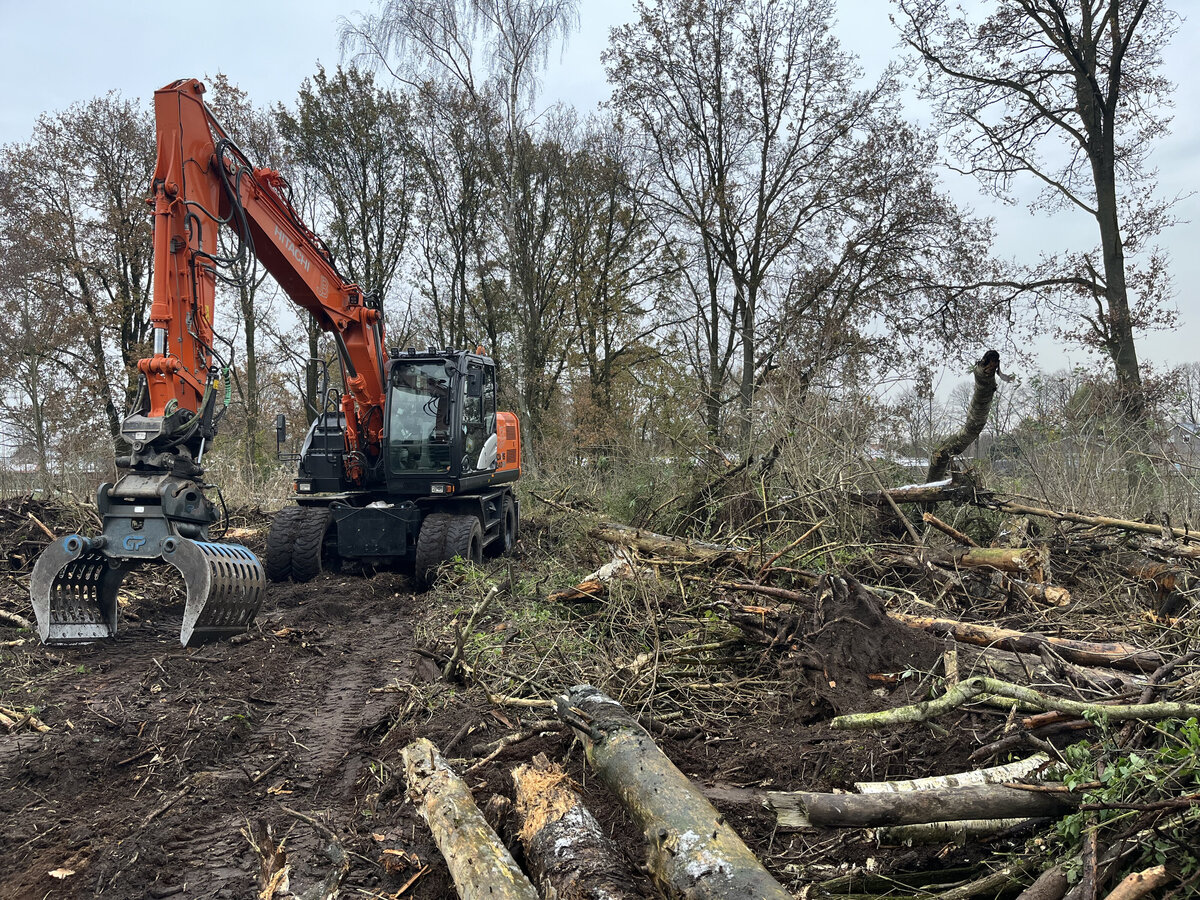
691	635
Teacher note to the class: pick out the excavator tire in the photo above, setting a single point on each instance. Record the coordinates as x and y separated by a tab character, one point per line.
464	539
278	559
309	544
431	548
509	527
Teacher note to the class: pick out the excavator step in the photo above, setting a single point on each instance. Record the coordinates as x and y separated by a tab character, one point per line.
75	582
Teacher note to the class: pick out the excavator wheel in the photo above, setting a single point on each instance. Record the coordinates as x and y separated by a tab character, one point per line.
509	528
431	548
308	549
278	559
464	539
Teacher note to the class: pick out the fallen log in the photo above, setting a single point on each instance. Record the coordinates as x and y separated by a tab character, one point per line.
949	530
587	591
1118	656
691	849
1138	884
663	545
802	809
1102	521
954	489
566	851
594	586
1049	594
959	831
1170	548
968	690
993	775
479	863
1023	561
15	619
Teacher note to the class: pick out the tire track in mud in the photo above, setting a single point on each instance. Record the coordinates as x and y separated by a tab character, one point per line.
166	744
341	707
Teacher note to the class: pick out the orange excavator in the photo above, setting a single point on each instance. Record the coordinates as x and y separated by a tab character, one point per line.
410	464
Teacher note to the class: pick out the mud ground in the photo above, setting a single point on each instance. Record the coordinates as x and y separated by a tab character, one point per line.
162	763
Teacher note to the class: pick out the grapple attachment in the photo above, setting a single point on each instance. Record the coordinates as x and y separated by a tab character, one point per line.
75	582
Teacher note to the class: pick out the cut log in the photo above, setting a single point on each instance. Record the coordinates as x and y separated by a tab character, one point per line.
1119	656
1049	594
566	851
960	831
479	863
691	849
1138	884
801	809
587	591
594	587
955	489
1024	561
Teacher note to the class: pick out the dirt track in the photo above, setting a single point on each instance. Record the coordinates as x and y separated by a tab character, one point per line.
161	761
158	757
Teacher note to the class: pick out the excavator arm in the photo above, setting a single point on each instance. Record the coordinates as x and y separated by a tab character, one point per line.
203	181
158	508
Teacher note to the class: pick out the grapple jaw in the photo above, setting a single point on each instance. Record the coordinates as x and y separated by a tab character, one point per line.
75	582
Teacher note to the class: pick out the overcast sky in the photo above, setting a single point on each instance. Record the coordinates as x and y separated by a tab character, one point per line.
59	53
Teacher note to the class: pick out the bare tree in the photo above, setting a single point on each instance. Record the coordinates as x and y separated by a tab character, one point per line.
1068	93
254	292
492	51
453	234
804	195
356	139
617	274
76	197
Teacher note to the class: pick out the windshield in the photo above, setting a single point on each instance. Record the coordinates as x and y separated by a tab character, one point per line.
419	432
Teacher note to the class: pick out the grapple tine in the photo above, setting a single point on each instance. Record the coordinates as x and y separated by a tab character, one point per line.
73	588
225	584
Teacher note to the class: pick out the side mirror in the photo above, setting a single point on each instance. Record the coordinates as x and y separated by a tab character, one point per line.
280	430
474	384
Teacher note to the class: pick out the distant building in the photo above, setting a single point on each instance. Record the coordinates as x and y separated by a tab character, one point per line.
1183	444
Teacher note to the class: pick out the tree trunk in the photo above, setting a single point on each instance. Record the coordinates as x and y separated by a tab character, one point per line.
981	404
1119	337
479	863
691	849
566	851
